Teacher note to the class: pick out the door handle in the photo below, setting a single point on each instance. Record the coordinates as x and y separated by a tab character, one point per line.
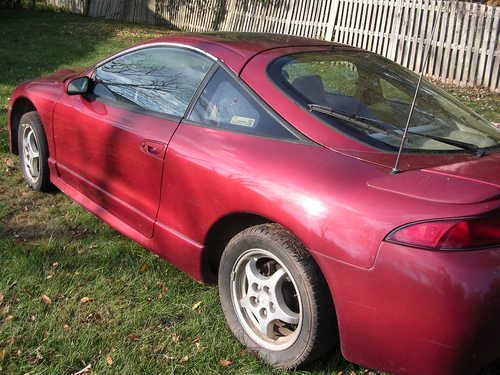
153	148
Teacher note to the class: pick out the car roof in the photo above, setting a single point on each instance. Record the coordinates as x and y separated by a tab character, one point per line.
236	49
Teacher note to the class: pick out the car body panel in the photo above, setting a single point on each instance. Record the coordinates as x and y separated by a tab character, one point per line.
437	187
400	309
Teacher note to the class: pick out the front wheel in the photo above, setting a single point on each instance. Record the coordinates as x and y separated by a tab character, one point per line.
33	152
274	298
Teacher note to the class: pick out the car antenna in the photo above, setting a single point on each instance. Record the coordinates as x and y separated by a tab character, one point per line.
396	169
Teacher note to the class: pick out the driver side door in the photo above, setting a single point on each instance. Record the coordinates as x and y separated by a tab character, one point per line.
111	143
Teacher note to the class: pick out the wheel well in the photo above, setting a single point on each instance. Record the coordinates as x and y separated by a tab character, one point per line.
218	237
20	107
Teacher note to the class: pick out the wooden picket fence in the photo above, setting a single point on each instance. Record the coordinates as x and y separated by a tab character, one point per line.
464	50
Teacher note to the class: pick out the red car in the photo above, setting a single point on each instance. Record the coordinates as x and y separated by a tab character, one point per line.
264	162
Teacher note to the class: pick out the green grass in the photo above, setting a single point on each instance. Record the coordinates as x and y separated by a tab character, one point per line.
140	318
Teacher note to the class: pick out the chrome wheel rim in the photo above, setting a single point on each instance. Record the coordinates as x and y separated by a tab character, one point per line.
31	153
266	299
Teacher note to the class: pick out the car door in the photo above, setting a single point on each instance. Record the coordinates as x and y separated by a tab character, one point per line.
216	154
110	143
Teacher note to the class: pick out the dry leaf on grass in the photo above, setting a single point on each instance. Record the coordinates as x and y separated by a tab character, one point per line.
86	299
134	337
175	338
46	299
84	371
109	360
225	362
9	318
163	290
144	268
196	305
66	327
2	296
184	359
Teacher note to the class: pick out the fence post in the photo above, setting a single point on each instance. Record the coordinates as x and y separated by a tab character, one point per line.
289	13
332	18
398	18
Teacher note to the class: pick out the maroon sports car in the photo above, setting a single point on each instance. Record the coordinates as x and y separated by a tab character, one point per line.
266	163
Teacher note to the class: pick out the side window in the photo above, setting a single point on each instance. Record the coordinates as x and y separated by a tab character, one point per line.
225	104
158	79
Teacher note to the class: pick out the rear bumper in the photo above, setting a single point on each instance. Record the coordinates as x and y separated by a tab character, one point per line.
419	312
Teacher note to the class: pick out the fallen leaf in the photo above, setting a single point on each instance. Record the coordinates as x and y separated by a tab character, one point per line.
55	264
225	362
196	305
163	290
46	299
3	354
86	370
1	297
86	299
184	359
144	268
133	337
109	360
175	338
200	348
66	327
8	318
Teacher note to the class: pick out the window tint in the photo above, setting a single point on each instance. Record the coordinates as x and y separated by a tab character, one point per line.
391	92
159	79
225	104
306	76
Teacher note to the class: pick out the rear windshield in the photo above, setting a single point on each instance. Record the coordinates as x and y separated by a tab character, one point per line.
369	97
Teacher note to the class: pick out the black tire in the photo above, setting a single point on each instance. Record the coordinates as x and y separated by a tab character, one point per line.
318	330
42	182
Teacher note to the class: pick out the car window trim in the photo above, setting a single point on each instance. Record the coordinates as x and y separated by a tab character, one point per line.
199	91
185	121
154	45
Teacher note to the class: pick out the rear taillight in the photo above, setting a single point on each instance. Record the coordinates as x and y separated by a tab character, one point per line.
454	234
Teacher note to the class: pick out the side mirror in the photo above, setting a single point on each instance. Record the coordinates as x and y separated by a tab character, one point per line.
78	86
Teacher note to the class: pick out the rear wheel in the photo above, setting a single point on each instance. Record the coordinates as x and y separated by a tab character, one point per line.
274	297
33	152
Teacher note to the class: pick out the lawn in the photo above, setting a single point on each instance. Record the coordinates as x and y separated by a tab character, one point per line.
75	293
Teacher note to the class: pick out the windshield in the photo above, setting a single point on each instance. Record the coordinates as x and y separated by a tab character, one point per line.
374	90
